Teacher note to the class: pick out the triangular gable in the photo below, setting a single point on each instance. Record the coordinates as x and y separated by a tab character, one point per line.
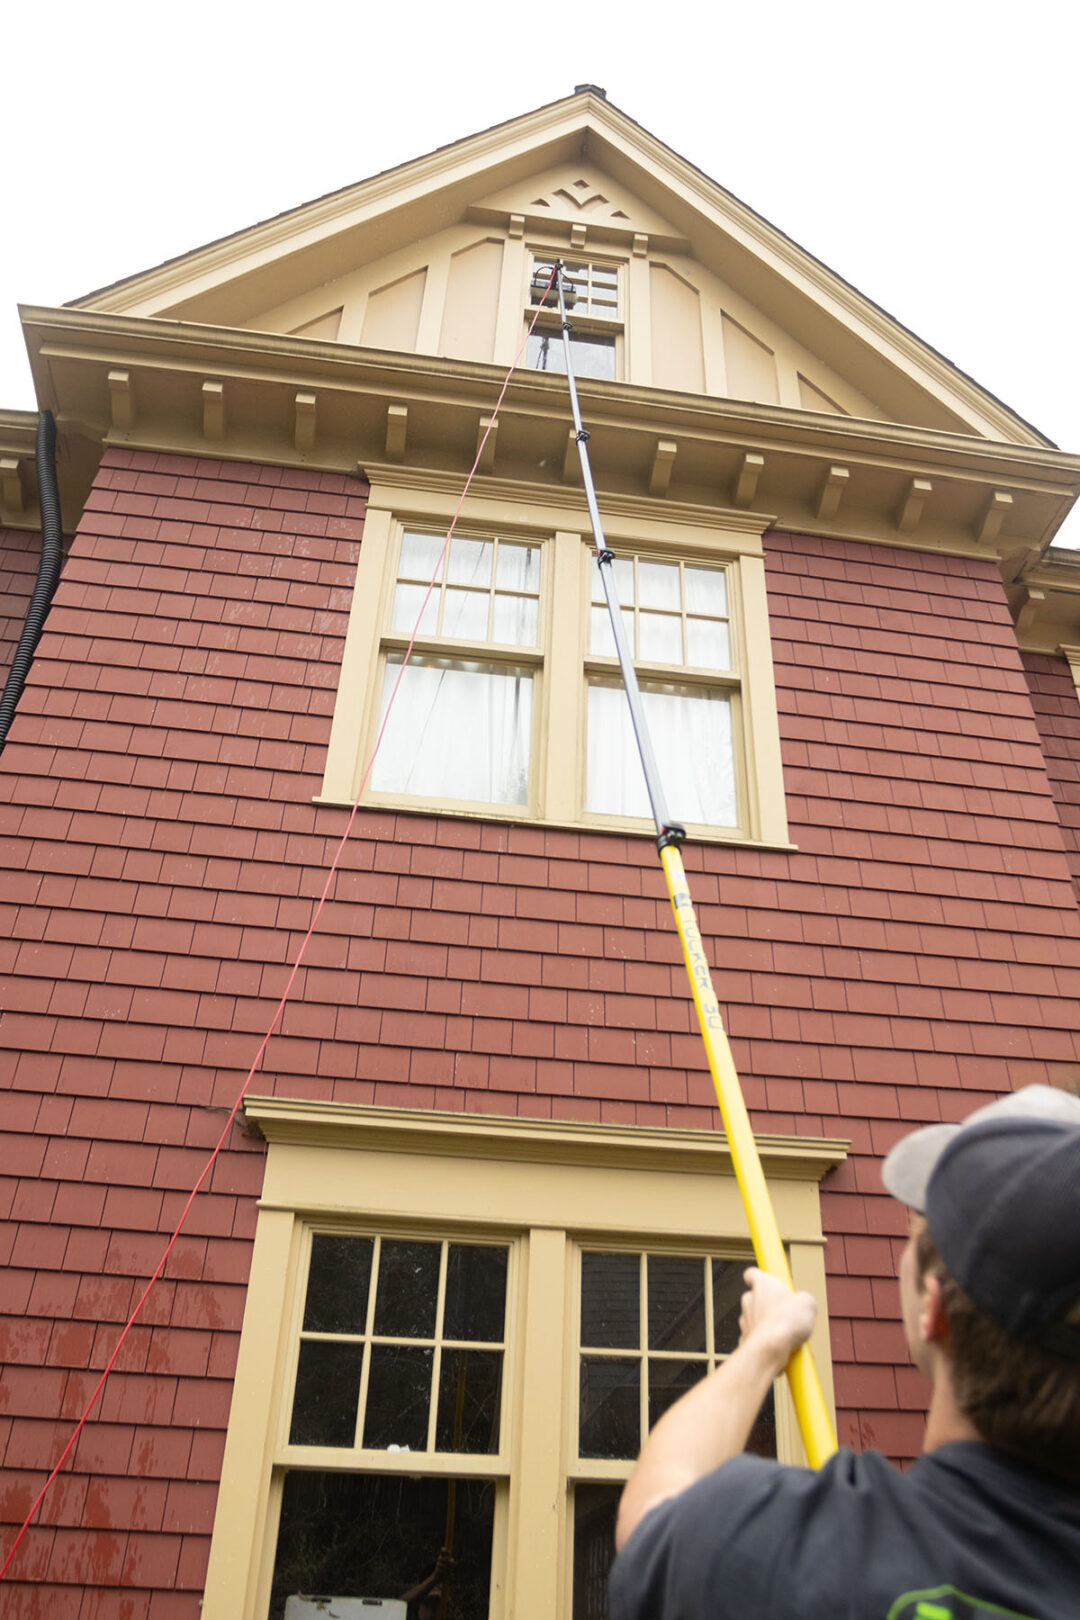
433	257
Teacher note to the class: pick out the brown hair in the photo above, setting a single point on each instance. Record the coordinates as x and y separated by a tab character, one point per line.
1019	1397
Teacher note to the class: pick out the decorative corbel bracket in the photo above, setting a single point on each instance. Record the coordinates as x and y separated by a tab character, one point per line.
835	483
305	407
662	466
397	421
121	401
910	511
213	404
1028	609
751	468
485	448
996	511
11	489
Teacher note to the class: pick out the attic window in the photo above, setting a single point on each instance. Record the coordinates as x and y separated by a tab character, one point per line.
591	294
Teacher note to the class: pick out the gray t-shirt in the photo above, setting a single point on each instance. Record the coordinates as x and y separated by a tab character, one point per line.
968	1534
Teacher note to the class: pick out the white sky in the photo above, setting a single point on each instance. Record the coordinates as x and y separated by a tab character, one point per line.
927	152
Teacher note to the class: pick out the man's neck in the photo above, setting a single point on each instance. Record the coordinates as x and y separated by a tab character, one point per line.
944	1420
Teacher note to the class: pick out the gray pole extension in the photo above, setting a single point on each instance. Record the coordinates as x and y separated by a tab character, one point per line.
667	831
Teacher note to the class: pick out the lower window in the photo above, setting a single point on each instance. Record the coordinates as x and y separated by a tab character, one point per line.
434	1417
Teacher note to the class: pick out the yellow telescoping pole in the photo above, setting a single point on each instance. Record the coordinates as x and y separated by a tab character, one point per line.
803	1381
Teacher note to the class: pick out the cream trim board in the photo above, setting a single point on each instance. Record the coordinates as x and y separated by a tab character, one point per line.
557	775
544	1189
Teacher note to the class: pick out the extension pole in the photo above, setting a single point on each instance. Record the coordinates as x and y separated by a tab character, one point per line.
805	1386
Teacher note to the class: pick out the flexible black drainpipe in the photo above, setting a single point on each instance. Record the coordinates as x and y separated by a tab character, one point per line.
52	551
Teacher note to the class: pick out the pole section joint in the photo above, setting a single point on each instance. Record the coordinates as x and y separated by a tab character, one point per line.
672	833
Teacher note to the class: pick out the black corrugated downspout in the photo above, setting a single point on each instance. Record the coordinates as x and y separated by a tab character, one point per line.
52	552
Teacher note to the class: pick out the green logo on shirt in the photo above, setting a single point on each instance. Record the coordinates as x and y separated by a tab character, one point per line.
946	1603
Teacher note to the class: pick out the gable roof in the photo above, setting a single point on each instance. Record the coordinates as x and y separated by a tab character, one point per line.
631	184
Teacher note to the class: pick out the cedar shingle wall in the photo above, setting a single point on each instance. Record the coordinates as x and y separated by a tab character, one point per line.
20	552
916	954
1057	715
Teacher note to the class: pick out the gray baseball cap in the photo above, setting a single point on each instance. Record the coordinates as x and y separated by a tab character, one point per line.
910	1164
1001	1196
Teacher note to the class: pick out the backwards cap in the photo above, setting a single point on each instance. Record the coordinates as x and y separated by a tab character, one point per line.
1001	1196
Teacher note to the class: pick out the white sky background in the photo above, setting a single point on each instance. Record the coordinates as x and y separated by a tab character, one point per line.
925	151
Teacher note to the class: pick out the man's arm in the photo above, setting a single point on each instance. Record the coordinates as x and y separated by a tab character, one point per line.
712	1422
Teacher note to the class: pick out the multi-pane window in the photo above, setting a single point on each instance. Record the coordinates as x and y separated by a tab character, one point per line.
520	1348
401	1354
510	701
461	723
678	625
650	1327
591	296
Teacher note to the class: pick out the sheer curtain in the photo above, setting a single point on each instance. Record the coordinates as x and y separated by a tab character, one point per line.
692	739
458	730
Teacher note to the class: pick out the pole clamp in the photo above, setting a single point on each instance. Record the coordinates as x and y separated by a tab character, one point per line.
605	556
671	834
582	436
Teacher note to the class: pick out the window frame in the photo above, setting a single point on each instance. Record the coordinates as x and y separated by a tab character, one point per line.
582	325
402	499
354	1168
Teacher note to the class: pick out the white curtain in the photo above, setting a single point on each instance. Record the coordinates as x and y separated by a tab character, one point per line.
458	730
692	740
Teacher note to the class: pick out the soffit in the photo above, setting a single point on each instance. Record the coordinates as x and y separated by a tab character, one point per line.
500	172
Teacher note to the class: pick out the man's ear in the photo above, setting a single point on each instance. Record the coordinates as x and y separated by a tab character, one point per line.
933	1326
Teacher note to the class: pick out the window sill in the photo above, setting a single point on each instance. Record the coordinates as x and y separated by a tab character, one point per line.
622	827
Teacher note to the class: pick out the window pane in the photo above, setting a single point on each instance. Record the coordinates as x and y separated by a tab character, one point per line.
610	1408
708	644
408	1289
338	1279
692	739
515	621
658	585
706	590
762	1441
610	1318
595	1507
475	1305
465	615
327	1393
676	1289
470	562
660	638
470	1384
398	1397
517	568
419	554
379	1536
408	600
728	1288
624	582
668	1380
591	356
457	731
601	639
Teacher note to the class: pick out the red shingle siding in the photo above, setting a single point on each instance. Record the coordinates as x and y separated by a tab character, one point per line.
919	952
1057	715
20	552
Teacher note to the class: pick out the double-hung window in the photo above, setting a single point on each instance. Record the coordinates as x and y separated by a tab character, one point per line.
592	296
677	624
487	684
